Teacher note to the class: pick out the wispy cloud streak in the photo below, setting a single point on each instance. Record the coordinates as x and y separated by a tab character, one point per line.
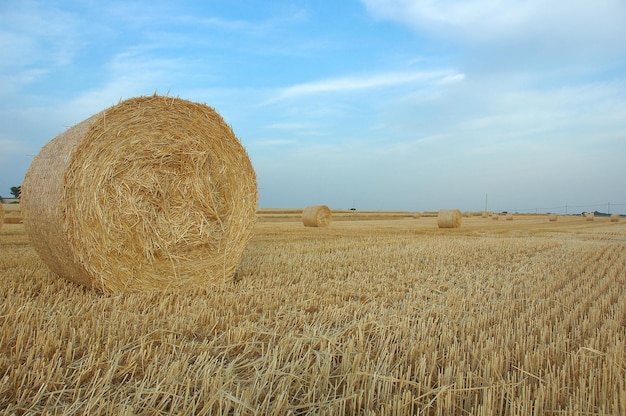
356	83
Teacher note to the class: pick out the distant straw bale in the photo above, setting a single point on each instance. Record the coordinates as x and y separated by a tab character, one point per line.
317	216
552	217
449	218
495	216
13	217
153	193
417	215
615	217
485	214
509	217
589	216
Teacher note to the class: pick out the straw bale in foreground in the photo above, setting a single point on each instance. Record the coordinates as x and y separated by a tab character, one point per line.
615	217
317	216
153	193
449	218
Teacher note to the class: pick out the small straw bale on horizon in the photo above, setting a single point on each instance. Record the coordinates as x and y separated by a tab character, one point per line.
449	218
317	216
13	217
615	217
553	217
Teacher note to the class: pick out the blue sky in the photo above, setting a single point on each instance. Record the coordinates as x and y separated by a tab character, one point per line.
392	105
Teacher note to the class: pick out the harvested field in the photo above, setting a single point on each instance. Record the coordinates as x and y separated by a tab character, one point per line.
374	315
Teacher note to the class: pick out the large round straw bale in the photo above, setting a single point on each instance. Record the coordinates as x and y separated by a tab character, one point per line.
615	217
589	216
317	216
153	193
552	217
449	218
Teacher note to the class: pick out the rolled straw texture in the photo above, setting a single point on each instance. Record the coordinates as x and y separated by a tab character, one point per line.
317	216
552	217
449	218
152	193
615	218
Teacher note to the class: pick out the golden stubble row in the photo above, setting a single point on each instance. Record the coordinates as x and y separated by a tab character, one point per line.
360	318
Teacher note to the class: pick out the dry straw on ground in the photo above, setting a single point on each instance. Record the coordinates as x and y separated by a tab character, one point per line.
317	216
449	218
552	217
615	218
153	193
1	216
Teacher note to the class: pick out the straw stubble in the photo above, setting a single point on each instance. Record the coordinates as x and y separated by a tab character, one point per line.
153	193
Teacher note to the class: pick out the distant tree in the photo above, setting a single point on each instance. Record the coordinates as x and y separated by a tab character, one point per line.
16	191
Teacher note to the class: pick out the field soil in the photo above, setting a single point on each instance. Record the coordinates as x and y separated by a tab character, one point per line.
377	314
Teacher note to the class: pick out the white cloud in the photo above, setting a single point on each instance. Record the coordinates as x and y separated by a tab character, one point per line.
355	83
569	28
